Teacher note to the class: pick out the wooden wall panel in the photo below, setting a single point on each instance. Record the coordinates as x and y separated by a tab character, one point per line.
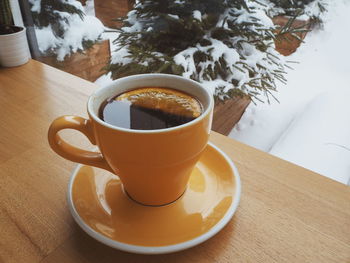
290	44
227	114
108	10
87	64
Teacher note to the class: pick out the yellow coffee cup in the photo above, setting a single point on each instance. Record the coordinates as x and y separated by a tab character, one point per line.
153	165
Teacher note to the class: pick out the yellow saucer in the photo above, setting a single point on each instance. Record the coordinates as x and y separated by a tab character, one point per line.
100	206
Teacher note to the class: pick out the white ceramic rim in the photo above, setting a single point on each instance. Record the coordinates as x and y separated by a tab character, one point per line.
91	101
161	249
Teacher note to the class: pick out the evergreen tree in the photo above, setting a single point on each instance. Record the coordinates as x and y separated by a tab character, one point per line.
312	8
53	20
228	45
49	13
291	4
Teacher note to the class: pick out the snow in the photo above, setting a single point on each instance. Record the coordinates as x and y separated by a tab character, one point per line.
197	15
36	5
218	49
311	124
185	59
104	80
121	55
132	19
46	39
111	35
315	137
76	31
241	61
313	9
259	14
88	29
174	16
89	8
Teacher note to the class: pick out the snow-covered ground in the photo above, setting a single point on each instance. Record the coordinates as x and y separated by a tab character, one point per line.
311	124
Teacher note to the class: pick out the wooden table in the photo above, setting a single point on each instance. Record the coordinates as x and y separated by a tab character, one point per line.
286	214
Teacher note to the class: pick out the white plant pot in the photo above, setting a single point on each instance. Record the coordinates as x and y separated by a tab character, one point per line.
14	50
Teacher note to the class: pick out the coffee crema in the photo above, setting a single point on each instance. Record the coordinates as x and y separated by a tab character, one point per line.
150	108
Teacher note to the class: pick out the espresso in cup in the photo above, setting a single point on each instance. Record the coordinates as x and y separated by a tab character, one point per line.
150	108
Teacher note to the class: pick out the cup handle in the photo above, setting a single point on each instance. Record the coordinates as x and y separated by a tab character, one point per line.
70	152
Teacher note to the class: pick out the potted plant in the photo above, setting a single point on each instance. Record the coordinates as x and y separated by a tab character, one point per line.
14	49
298	17
228	46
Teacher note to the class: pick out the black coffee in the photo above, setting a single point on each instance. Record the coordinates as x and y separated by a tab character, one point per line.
150	108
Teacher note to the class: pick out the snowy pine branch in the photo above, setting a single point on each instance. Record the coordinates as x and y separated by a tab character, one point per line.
226	45
62	27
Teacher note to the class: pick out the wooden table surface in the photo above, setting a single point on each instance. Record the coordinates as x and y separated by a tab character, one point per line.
286	214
